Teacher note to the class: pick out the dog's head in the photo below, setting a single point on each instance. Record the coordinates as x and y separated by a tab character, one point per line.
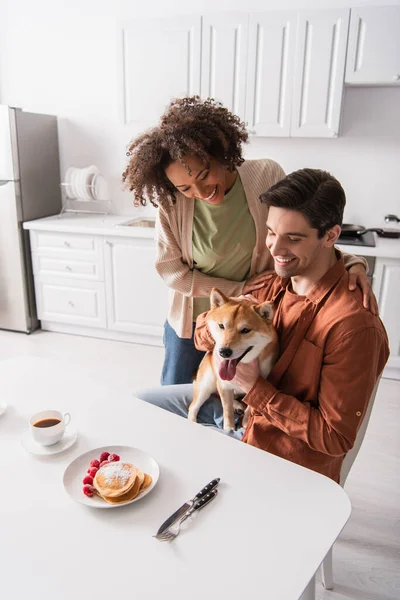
241	329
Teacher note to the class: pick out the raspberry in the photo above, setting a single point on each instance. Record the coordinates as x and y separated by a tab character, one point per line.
94	463
92	471
104	456
88	479
88	490
113	458
105	462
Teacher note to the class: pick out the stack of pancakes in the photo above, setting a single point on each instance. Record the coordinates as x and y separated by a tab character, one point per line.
119	482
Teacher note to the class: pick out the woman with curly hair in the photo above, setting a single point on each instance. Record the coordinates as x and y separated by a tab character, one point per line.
210	226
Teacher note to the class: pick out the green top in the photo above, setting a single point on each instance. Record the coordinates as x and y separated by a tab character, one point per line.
224	237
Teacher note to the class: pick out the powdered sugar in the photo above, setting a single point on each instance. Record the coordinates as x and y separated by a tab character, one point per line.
116	470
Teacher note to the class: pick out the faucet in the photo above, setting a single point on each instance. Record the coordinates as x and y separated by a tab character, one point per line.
394	218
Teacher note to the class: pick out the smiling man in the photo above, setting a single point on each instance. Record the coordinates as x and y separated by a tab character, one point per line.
332	351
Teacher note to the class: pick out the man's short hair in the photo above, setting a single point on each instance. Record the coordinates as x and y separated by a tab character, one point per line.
314	193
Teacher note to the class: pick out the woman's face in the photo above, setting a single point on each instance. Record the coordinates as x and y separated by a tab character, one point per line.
208	183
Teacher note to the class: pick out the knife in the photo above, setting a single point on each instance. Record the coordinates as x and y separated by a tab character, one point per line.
188	505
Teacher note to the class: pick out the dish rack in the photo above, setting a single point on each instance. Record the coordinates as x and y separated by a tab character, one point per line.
74	204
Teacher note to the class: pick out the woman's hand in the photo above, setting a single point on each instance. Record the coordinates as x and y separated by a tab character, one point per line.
358	276
257	281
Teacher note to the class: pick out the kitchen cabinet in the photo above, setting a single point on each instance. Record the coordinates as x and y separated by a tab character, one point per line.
224	59
387	291
136	295
373	56
100	284
272	39
280	71
159	59
319	72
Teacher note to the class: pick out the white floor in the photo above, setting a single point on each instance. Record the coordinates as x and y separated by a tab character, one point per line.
367	555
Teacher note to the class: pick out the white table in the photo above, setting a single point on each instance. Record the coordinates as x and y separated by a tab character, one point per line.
264	536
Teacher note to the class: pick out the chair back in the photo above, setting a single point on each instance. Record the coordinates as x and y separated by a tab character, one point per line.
351	455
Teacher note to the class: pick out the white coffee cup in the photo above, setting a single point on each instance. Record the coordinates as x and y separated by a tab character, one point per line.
43	431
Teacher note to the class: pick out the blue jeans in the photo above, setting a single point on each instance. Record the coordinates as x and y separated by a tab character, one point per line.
181	359
177	398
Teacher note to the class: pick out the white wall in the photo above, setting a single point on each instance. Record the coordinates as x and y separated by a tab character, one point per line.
61	59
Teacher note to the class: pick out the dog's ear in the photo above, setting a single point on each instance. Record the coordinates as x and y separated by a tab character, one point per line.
266	310
217	298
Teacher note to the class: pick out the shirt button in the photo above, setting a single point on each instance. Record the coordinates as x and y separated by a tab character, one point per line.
358	413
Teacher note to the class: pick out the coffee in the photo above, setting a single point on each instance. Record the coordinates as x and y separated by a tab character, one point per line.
47	423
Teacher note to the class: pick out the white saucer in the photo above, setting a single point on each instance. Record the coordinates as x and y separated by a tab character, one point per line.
3	408
32	447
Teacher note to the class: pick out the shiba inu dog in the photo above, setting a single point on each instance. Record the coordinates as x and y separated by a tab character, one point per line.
242	331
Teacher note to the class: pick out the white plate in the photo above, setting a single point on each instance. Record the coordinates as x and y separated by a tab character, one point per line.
32	447
90	172
100	188
3	408
77	469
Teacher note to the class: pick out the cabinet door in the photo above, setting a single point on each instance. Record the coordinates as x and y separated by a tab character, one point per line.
319	72
387	291
136	295
373	55
160	60
70	301
270	72
223	60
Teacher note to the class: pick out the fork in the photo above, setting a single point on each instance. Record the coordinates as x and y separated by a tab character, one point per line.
171	532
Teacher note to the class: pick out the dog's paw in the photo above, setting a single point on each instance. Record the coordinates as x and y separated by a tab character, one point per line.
192	417
238	407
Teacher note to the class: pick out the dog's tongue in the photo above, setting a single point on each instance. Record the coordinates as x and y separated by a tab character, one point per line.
227	369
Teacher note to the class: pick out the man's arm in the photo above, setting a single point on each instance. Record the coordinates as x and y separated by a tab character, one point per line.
348	376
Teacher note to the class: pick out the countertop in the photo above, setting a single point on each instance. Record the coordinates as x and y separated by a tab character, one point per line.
92	224
111	225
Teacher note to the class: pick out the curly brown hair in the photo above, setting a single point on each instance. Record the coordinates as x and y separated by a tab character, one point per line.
189	126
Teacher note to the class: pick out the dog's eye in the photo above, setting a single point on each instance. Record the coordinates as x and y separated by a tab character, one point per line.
245	330
220	325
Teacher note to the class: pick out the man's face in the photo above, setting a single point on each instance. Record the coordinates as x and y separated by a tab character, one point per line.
294	244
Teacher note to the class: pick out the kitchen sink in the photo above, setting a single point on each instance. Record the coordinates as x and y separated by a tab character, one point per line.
140	222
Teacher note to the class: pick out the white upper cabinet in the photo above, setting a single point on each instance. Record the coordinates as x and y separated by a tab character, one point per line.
373	56
270	72
223	60
160	60
319	72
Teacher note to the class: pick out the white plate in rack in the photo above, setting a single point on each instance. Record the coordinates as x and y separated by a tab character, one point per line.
77	470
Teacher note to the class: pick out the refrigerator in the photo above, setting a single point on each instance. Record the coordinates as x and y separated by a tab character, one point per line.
29	189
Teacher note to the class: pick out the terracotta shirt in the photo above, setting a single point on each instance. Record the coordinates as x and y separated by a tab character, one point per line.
332	352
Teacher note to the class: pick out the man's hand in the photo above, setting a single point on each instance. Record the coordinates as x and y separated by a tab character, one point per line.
257	281
358	276
246	373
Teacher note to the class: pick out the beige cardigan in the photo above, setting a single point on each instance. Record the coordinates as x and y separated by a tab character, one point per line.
174	260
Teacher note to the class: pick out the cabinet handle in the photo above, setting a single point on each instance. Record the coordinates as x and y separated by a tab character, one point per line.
67	244
396	78
71	304
68	268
